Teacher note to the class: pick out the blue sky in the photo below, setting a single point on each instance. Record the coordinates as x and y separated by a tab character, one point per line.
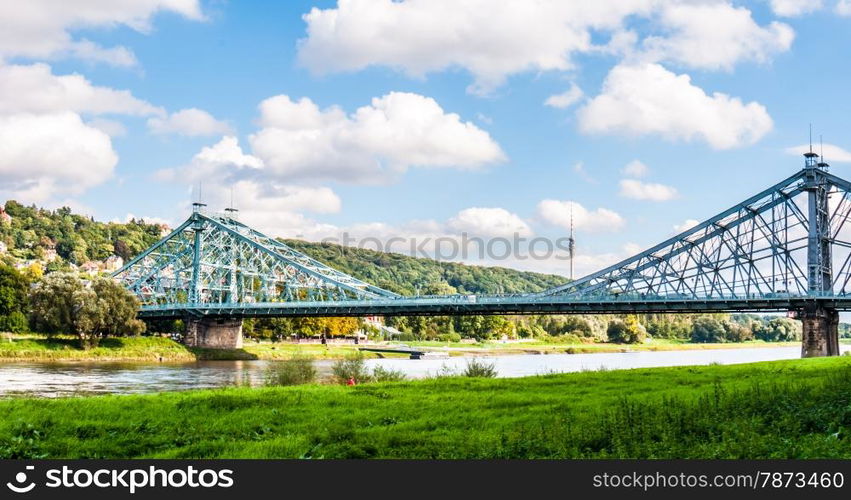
421	118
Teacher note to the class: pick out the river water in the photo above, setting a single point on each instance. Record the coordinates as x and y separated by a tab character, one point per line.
67	379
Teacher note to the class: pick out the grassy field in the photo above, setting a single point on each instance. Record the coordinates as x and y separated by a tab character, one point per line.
33	347
784	409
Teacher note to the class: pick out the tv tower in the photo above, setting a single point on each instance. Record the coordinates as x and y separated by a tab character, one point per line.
571	243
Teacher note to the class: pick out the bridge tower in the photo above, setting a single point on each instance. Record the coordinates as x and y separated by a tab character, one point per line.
820	324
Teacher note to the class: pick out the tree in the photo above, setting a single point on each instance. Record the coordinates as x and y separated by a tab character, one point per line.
707	329
62	303
627	330
14	288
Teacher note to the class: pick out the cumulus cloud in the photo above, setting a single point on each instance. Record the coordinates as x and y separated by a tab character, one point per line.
42	155
843	7
46	147
832	153
395	132
493	222
41	28
637	190
792	8
422	36
566	99
715	36
558	213
220	163
648	99
35	89
192	122
635	168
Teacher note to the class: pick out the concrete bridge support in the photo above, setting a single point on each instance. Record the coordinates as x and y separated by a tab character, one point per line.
820	331
214	333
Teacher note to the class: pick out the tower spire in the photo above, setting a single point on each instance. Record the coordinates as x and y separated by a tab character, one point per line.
571	243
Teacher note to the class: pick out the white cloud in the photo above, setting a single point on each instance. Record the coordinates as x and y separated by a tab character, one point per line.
491	222
221	163
635	169
843	7
559	213
42	28
566	98
832	152
190	122
112	128
686	225
49	154
114	56
715	36
648	99
395	132
637	190
47	149
422	36
792	8
35	89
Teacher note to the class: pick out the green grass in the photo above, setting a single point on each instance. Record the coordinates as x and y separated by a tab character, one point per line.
784	409
66	348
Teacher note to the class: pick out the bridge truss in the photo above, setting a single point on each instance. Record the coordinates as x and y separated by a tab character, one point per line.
787	248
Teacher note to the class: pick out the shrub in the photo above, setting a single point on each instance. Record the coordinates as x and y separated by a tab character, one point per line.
352	367
381	374
477	368
449	337
296	371
15	322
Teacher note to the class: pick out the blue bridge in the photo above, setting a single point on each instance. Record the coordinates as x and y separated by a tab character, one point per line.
787	248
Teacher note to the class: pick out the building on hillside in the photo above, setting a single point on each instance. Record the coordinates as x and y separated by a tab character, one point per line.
3	247
5	218
90	267
164	230
113	263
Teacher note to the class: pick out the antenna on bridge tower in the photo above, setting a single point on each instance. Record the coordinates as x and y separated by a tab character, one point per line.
822	164
231	211
571	243
197	206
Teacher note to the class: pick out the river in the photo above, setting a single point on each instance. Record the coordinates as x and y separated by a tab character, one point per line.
68	379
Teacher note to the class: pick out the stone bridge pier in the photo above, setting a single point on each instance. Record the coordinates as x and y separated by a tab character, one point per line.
820	336
214	333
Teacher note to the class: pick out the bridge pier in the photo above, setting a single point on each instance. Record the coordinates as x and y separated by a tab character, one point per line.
820	336
214	333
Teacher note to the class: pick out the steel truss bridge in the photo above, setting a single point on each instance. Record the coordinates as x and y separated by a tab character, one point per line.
787	248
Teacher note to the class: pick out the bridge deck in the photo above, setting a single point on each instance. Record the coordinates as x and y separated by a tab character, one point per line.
485	304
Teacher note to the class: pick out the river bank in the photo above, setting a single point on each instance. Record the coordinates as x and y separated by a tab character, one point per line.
158	349
781	409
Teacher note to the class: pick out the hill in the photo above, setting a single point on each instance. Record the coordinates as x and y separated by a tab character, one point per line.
60	238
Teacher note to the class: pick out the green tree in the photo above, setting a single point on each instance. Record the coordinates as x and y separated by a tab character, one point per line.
707	329
14	288
62	303
627	330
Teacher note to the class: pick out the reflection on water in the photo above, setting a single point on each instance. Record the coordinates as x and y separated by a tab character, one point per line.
64	379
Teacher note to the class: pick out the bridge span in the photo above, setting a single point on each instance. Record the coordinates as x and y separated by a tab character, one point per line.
787	249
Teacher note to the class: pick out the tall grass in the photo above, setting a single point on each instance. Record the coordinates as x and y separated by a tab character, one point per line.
478	368
296	371
352	367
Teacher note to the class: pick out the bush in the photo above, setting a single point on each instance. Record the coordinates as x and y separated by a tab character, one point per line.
626	331
15	322
381	374
352	367
476	368
296	371
449	337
